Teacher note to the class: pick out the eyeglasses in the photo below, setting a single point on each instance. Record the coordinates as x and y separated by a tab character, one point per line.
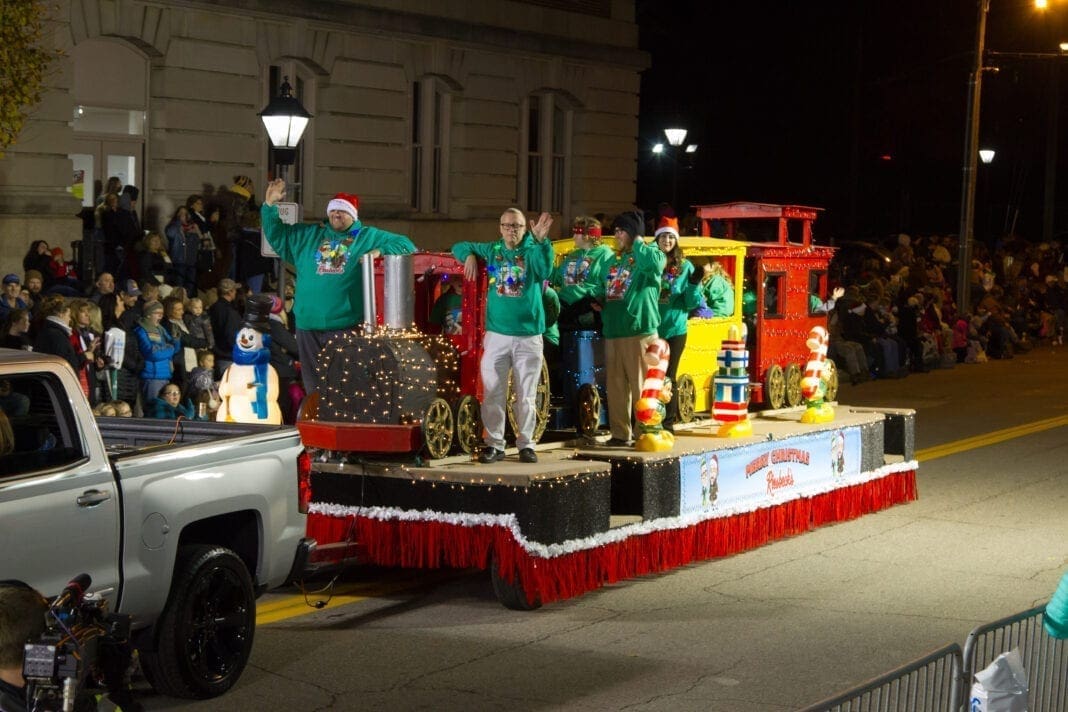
512	226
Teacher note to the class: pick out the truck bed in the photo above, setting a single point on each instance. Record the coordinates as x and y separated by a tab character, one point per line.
128	436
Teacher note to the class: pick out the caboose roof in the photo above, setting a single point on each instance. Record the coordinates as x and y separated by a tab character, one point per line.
742	210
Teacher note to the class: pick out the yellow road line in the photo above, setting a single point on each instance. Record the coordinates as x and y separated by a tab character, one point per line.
344	594
998	436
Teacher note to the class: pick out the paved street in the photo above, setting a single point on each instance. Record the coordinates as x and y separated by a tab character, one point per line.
767	630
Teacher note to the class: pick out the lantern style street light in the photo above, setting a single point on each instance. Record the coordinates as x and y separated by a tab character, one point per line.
676	137
285	119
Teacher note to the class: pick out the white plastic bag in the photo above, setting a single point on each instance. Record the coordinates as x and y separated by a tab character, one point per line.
1001	686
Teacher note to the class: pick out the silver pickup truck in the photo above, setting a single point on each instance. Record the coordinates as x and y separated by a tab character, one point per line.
180	524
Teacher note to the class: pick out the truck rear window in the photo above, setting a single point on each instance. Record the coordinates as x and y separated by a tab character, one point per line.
37	427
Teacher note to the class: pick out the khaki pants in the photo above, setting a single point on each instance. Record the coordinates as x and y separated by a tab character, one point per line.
625	372
522	355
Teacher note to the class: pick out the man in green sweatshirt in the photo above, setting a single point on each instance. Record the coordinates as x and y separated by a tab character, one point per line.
517	264
329	290
629	289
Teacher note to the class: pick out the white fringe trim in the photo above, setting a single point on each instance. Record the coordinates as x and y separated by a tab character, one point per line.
612	536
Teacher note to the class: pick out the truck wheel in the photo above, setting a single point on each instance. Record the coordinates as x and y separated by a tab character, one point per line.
204	635
511	595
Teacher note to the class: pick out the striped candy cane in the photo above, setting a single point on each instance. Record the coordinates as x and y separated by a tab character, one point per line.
817	357
656	356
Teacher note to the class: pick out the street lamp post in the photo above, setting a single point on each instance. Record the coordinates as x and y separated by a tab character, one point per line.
986	156
971	154
675	137
285	119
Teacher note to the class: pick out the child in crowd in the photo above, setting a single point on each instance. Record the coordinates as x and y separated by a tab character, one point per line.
199	323
201	386
168	406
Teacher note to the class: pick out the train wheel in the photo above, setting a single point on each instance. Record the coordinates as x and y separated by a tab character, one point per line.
468	424
686	397
541	403
588	415
774	387
438	428
793	385
830	375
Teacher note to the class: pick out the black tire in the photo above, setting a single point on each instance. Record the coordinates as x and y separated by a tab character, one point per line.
511	595
204	636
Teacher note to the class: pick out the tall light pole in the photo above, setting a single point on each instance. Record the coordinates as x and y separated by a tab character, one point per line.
986	156
285	119
675	137
971	155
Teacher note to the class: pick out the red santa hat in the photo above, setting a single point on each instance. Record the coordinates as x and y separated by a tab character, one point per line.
667	225
345	202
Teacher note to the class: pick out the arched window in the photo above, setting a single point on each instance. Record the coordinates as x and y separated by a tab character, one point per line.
545	153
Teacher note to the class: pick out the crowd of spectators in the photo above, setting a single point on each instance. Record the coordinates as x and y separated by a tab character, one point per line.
900	315
163	310
153	331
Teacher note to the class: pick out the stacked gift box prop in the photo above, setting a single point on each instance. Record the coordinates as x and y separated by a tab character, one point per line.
731	404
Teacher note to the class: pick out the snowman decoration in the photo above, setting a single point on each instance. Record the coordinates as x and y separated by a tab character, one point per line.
249	387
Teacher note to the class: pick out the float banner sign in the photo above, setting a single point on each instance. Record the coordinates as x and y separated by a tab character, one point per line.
769	473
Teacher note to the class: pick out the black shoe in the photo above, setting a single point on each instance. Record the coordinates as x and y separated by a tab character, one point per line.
528	455
490	454
618	442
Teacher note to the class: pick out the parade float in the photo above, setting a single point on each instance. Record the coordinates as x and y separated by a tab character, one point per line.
394	484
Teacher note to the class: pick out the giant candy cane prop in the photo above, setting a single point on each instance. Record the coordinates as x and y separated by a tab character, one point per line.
656	358
649	410
813	386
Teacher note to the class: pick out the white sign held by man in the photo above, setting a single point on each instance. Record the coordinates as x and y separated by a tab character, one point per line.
289	213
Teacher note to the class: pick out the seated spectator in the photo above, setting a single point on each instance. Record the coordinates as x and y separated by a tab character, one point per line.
153	261
33	284
10	296
56	280
167	404
15	330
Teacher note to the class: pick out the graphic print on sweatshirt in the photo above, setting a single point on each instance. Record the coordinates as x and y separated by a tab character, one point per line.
333	254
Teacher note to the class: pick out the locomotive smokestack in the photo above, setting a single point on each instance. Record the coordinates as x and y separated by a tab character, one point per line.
370	308
398	292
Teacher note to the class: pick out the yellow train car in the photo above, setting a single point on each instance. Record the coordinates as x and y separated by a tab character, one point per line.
697	367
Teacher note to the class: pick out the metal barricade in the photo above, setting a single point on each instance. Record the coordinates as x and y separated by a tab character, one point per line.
1045	659
929	684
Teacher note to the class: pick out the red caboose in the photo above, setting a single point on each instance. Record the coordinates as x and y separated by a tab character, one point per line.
785	287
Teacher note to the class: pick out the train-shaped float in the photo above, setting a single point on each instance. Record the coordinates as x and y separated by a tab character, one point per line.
402	395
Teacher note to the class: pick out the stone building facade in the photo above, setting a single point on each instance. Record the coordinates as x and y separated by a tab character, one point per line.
437	114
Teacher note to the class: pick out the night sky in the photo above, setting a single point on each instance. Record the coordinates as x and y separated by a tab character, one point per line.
857	107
